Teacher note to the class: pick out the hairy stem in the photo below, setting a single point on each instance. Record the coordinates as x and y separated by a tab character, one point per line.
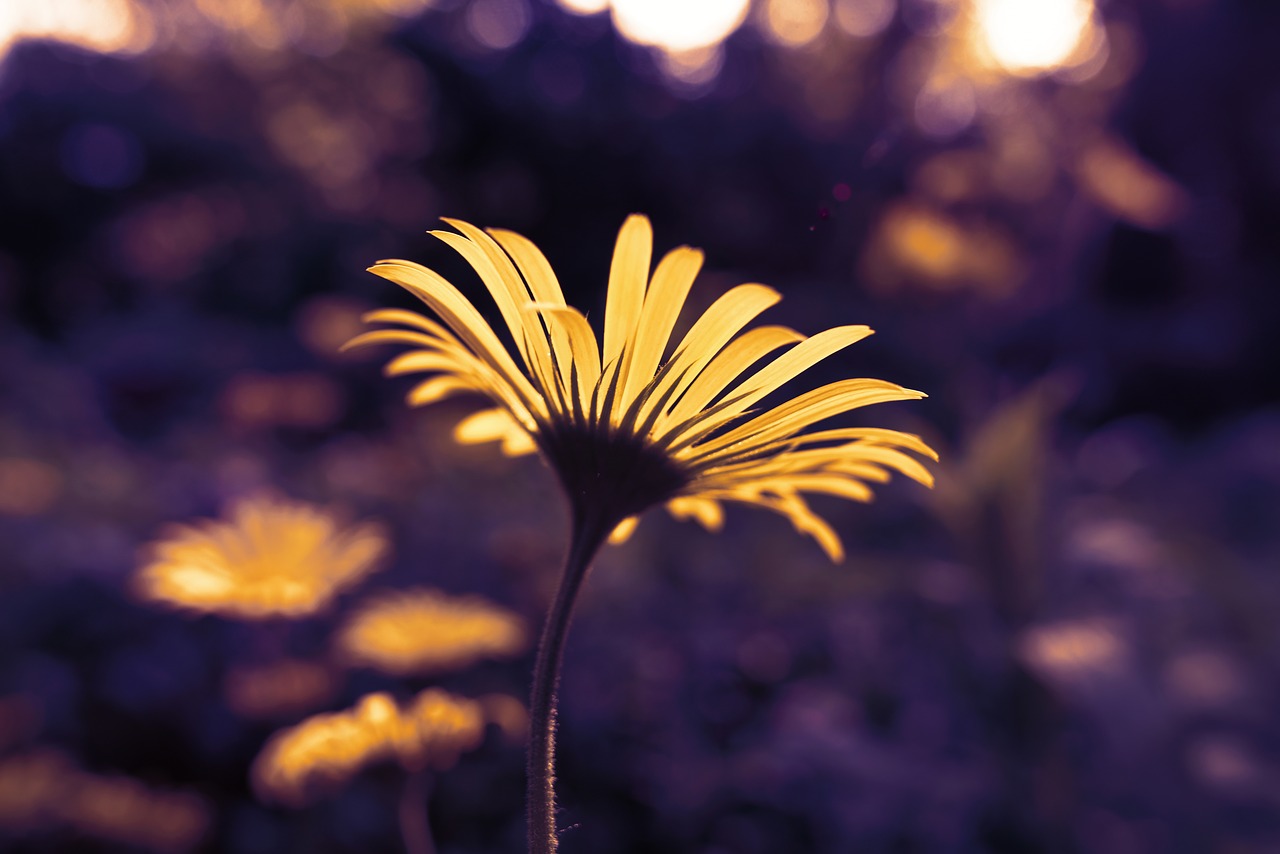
414	827
588	534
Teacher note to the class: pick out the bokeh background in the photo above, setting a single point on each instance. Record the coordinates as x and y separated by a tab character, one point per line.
1060	216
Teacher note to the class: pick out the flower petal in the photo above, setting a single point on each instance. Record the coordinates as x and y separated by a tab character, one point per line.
628	276
663	301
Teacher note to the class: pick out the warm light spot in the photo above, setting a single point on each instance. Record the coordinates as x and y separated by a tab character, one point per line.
933	243
270	558
424	631
1118	179
1029	37
693	68
1071	650
584	7
498	24
794	23
323	752
27	487
678	25
108	26
864	18
283	688
917	245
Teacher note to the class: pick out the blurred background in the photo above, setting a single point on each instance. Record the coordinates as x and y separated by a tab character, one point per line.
1060	216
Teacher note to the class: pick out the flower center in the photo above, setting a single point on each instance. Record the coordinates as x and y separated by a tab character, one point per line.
610	476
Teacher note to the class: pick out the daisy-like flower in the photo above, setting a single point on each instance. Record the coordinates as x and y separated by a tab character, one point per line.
621	427
324	751
423	631
634	420
271	558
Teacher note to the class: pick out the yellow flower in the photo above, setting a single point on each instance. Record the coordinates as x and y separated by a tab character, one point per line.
424	631
325	751
623	428
270	558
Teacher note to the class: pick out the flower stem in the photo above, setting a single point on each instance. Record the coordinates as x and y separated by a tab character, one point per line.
540	807
414	829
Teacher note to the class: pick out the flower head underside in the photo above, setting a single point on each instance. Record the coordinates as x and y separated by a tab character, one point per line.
632	421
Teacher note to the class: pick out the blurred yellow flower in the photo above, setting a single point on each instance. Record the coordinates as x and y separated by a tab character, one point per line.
623	429
424	631
271	558
325	751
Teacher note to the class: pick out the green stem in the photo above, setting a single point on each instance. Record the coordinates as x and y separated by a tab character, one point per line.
588	534
414	827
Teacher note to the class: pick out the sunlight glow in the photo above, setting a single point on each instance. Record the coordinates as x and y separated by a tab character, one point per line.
1030	37
678	25
108	26
584	7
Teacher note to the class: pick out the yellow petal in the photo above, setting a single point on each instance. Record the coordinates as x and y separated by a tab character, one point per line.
438	388
508	291
585	352
623	531
790	364
495	425
628	276
537	271
809	408
710	332
805	521
708	513
461	316
740	354
417	361
407	318
662	304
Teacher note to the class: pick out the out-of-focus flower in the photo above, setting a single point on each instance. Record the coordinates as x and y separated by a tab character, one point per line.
44	789
425	631
622	429
323	752
271	558
283	688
